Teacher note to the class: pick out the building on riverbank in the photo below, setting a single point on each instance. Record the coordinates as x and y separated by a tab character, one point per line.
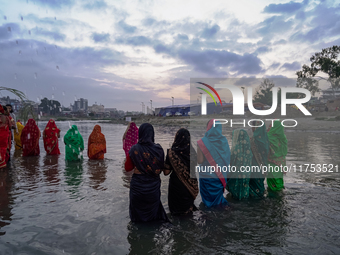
16	104
329	93
187	109
97	110
80	105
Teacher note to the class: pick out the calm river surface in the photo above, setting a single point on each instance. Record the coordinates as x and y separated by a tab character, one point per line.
49	207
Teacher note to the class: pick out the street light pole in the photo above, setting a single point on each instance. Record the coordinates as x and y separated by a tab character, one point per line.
173	101
151	106
143	108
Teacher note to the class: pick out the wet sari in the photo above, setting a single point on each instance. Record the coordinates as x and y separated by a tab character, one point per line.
241	157
96	144
130	137
277	155
17	136
260	149
50	136
216	151
183	189
74	144
145	193
30	139
5	138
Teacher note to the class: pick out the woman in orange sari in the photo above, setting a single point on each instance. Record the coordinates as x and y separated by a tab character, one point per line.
50	136
30	139
5	138
96	144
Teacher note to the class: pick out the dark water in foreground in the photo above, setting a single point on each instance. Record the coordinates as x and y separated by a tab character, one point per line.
49	207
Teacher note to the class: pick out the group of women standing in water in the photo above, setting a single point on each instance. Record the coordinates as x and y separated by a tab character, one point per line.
26	138
147	161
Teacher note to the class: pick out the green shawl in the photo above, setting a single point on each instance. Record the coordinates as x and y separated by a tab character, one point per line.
260	150
278	144
277	155
241	155
74	144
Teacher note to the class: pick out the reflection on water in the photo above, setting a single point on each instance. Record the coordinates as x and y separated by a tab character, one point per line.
52	207
5	200
126	177
74	177
51	171
97	173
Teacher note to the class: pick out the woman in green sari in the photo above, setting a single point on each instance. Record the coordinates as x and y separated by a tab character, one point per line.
241	156
260	149
277	155
74	144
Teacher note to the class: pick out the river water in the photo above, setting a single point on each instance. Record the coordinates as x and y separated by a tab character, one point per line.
49	207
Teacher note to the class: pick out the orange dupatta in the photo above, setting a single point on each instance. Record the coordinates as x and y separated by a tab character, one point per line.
96	144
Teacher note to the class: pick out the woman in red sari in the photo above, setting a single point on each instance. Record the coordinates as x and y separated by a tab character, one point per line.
5	138
97	144
50	136
11	125
30	139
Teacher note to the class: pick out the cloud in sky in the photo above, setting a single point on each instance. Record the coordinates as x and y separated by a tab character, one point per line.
93	5
295	66
126	27
284	8
210	31
54	3
104	37
120	53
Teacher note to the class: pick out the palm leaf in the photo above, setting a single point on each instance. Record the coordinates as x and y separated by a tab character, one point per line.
16	92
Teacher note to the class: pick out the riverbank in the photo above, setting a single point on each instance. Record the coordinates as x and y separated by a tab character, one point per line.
319	121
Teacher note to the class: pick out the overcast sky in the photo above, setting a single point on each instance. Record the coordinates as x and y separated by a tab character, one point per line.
122	53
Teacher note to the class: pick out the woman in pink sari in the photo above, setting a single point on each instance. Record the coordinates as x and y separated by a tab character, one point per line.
130	137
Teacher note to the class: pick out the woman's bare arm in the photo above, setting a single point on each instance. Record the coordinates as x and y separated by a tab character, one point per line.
200	156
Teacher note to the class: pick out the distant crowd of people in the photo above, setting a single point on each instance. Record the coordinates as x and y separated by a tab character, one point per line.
147	161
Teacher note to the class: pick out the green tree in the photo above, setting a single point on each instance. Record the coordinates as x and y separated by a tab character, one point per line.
325	62
50	106
264	93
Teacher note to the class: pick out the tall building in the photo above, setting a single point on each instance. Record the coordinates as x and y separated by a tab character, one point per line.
83	104
80	105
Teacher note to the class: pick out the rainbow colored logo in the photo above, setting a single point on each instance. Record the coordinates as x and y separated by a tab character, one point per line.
209	93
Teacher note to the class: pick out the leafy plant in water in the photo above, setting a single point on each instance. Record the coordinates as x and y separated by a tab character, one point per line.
27	111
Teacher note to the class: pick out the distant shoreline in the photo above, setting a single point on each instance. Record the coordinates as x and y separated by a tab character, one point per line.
318	122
